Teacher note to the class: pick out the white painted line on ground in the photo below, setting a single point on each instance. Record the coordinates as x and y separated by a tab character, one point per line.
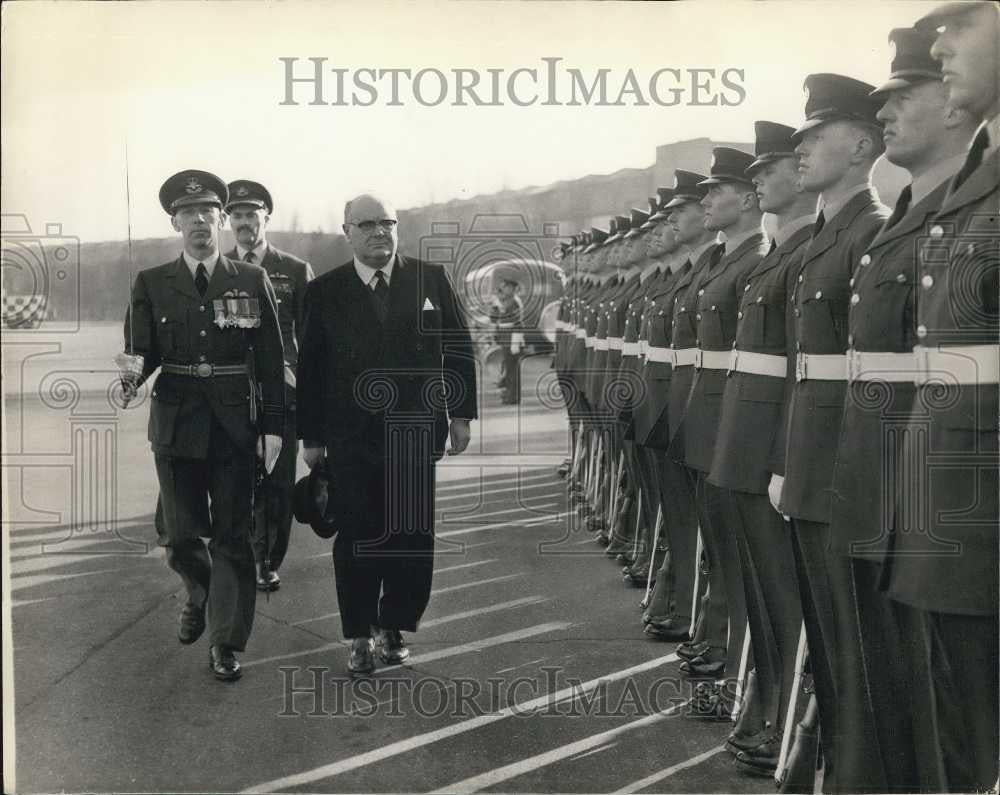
458	518
31	580
511	477
60	544
466	565
435	592
522	665
427	738
55	560
507	772
479	611
598	750
23	602
430	656
642	783
492	492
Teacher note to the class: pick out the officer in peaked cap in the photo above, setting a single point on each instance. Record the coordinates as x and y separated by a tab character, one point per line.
831	581
250	207
637	218
663	198
688	187
772	142
728	165
190	187
912	63
210	325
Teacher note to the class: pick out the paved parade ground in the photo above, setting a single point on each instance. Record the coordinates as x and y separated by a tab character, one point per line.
530	672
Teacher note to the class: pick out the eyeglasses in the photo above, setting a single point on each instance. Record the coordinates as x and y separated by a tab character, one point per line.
386	225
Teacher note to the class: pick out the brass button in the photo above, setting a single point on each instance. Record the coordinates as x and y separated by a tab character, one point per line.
866	259
701	291
800	277
937	231
850	339
851	282
855	299
927	281
202	333
746	289
163	320
201	358
698	316
201	308
760	298
739	315
798	313
819	294
922	329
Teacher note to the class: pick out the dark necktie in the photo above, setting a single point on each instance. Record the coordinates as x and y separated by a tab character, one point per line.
773	246
381	295
901	208
820	222
201	279
250	257
717	255
973	159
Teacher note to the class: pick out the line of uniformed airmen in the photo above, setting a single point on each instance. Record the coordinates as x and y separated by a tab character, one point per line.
790	441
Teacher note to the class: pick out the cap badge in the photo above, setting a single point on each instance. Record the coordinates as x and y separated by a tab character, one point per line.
192	185
242	190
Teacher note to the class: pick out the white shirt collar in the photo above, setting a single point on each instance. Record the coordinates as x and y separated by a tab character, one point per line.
783	233
258	252
367	274
193	263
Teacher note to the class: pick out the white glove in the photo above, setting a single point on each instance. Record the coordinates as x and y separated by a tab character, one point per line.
774	493
271	451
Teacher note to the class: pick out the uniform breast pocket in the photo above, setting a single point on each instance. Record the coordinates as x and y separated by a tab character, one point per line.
824	319
752	319
710	331
430	319
888	306
171	336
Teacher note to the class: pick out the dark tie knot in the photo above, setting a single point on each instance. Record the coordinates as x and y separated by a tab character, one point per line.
201	279
250	257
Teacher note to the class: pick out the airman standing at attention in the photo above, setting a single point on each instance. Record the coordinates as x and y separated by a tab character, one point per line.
745	456
837	148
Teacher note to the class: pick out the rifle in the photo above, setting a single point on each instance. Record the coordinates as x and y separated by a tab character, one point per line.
260	464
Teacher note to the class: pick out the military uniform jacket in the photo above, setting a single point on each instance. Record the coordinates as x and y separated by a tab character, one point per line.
289	276
752	403
577	357
716	307
234	324
598	356
652	417
356	375
952	434
630	370
684	335
819	301
617	389
881	319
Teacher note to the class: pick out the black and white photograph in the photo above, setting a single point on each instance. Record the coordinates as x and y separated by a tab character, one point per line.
503	396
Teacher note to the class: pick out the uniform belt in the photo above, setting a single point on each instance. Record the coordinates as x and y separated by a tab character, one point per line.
820	367
507	325
758	363
656	354
562	325
631	348
881	366
712	360
588	341
684	356
203	370
580	333
643	347
600	344
957	364
616	343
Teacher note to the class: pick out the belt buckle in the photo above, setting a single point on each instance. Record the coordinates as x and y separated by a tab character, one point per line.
203	370
800	366
734	359
698	358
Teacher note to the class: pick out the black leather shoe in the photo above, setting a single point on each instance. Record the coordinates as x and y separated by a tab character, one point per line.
702	666
799	774
745	742
362	659
671	630
224	664
762	760
192	623
690	650
392	649
267	580
602	539
710	704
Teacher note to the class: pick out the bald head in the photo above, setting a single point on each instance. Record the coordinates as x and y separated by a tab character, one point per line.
370	228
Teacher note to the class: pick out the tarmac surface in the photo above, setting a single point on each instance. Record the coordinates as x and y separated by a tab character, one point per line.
530	672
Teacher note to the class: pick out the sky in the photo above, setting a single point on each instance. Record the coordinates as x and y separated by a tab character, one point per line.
201	85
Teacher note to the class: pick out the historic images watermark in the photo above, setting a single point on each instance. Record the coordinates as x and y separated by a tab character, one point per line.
315	692
311	81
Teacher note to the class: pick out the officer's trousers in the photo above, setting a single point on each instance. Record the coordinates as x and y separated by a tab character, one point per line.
774	610
726	612
222	573
273	507
828	584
